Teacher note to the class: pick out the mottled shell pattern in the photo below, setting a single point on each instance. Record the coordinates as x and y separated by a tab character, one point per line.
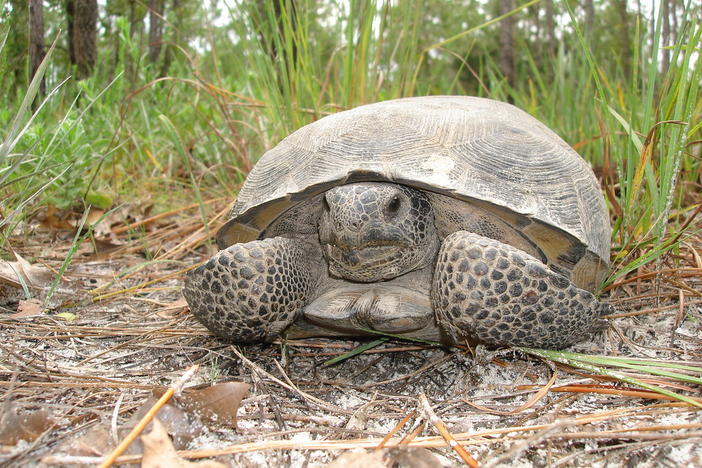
472	150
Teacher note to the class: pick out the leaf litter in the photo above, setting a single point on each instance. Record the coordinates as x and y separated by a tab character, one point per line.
95	376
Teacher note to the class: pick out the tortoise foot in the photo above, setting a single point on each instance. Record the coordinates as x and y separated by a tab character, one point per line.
251	292
491	291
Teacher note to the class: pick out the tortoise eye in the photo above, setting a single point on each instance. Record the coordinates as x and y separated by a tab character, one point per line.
393	207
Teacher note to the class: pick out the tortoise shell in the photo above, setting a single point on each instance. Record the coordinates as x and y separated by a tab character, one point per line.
472	150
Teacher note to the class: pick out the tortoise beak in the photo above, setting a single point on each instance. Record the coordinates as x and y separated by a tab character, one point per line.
364	257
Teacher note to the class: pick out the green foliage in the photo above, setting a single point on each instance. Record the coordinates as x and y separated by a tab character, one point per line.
603	365
234	78
21	170
13	67
99	200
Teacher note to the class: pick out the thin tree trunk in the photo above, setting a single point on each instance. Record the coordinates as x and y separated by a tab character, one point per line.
36	40
82	35
550	31
674	16
507	63
665	63
155	29
175	20
625	43
589	17
136	16
14	71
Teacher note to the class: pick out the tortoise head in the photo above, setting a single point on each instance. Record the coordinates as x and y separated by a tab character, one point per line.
376	231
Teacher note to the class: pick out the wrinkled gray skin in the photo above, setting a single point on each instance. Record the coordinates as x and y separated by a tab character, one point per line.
372	232
377	261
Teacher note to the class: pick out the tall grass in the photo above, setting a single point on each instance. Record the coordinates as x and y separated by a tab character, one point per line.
648	125
21	190
196	132
302	71
634	126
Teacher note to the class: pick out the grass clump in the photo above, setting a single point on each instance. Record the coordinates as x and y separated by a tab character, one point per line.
191	127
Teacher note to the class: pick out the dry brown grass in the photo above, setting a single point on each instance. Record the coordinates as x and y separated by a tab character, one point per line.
132	334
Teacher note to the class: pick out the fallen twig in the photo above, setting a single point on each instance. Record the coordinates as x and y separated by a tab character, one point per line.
441	427
134	433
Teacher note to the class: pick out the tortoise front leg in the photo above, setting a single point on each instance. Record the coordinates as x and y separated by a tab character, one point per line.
251	292
492	291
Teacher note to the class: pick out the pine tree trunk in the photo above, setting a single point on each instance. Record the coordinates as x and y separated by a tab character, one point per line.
155	29
625	44
175	20
14	71
665	63
550	31
82	35
36	40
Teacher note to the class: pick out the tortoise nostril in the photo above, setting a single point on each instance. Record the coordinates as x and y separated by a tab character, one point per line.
392	208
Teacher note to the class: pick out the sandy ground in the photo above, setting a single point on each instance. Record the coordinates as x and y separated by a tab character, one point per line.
127	333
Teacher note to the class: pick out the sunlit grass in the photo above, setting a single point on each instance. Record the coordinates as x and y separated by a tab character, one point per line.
610	367
194	134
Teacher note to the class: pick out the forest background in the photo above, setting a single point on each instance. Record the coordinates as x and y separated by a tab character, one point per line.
128	126
174	100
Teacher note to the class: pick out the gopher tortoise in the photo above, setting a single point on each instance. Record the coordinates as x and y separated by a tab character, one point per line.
445	218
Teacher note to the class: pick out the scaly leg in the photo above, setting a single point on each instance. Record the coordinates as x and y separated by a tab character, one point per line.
251	292
492	291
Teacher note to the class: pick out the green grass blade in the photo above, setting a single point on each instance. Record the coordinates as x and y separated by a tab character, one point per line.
400	337
567	358
354	352
77	241
642	365
14	133
185	157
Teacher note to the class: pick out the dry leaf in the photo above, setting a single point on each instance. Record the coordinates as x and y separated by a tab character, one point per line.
99	440
93	442
216	404
400	457
359	460
28	308
15	273
180	424
98	248
172	309
26	426
182	417
56	220
102	222
411	457
159	452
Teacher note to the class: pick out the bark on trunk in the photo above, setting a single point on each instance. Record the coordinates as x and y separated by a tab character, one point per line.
550	31
155	29
36	40
621	6
82	35
665	63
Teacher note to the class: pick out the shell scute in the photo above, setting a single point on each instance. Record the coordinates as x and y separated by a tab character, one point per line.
470	149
